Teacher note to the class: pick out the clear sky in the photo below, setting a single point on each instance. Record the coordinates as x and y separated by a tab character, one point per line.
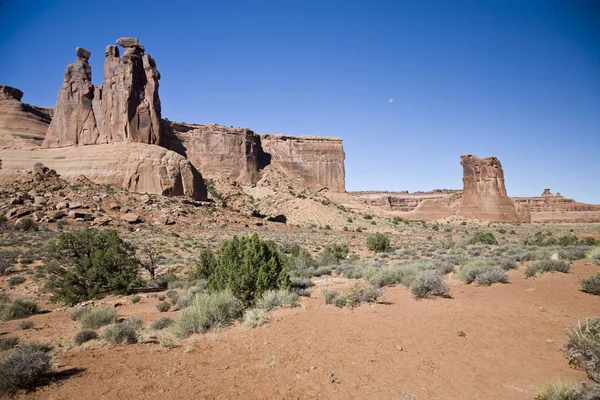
516	79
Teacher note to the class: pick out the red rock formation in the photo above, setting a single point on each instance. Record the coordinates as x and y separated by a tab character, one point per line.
484	194
21	125
218	152
129	102
74	121
318	161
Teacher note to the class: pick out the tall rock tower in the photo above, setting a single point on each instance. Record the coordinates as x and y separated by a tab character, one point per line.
484	194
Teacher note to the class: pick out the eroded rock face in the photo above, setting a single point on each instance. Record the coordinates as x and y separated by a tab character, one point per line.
318	161
74	121
135	167
21	125
484	194
218	152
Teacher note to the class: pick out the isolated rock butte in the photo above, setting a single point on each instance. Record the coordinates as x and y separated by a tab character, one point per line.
135	167
484	194
21	125
318	161
125	108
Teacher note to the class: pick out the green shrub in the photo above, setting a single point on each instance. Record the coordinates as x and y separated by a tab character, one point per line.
78	313
21	368
26	225
135	298
333	254
483	238
591	285
542	266
86	264
8	343
273	299
163	306
85	335
490	276
20	308
583	347
253	318
161	323
24	325
125	332
205	266
248	267
208	311
378	243
161	297
97	319
393	274
558	390
594	255
358	294
300	262
15	280
429	284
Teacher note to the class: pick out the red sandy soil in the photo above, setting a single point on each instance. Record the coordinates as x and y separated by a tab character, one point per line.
513	345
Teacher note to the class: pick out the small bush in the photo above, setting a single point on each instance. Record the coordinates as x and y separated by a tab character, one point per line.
163	306
329	296
358	294
161	323
26	325
85	335
15	280
26	225
378	243
20	308
20	369
273	299
97	319
208	311
542	266
8	343
125	332
490	276
483	238
255	317
583	347
558	390
135	298
428	284
173	295
161	297
594	255
340	300
591	285
78	313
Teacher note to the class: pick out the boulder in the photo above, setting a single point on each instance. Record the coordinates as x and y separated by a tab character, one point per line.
131	218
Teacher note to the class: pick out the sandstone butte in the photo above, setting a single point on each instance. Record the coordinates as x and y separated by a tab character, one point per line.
114	134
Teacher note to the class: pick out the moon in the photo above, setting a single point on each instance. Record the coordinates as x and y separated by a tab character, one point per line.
391	100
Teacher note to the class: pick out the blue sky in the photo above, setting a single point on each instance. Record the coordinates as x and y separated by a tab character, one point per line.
516	79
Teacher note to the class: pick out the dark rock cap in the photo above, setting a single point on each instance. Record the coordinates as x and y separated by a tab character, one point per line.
83	53
128	42
12	92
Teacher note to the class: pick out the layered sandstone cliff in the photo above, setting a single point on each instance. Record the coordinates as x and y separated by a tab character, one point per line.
135	167
317	161
218	152
21	125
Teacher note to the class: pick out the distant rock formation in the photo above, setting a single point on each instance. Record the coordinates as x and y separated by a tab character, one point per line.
317	160
125	108
21	125
484	194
